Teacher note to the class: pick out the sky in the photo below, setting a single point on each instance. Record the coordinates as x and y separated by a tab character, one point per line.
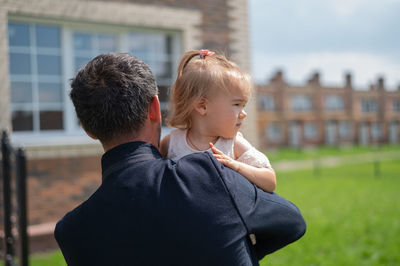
333	37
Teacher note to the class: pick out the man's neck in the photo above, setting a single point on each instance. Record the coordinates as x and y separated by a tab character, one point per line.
149	134
118	141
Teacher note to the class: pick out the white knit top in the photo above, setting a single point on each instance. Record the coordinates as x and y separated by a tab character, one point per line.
178	147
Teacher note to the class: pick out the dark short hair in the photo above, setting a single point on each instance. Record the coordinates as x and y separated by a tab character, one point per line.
111	95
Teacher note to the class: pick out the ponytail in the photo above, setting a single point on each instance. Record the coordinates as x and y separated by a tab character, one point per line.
185	60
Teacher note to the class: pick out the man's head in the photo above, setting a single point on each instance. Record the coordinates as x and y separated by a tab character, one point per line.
112	95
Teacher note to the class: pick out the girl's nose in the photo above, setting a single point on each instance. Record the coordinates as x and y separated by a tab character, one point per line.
242	114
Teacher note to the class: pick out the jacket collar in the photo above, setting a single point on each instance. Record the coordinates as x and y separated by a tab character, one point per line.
127	153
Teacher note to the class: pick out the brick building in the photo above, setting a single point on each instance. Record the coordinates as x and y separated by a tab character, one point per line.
314	114
42	45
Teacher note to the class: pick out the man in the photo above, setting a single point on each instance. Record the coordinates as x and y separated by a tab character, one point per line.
149	210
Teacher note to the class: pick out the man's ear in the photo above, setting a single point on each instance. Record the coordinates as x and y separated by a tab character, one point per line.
88	133
200	105
155	109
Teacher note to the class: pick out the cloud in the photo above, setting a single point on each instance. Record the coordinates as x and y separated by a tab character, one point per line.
326	26
333	36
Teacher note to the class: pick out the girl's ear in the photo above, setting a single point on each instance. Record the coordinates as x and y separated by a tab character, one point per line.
200	105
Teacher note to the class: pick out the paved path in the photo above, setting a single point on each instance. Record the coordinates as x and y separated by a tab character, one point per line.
333	161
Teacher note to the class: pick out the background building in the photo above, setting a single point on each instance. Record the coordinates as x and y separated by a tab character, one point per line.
314	114
43	44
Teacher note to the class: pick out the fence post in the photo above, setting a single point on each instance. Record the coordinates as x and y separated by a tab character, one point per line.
22	208
316	167
377	168
9	239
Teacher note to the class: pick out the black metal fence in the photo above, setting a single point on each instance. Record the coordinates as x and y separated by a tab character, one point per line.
15	241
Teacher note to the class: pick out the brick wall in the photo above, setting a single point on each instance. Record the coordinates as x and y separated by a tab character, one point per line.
56	186
214	27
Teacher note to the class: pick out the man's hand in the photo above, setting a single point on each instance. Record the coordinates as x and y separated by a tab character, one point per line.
224	159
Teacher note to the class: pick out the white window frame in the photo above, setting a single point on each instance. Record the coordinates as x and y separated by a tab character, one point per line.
72	132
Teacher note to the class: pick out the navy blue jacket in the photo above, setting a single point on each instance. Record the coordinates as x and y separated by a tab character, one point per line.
151	211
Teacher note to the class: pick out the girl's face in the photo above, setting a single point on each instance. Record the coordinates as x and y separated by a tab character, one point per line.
225	111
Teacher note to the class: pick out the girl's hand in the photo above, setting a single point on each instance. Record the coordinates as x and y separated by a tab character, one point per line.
224	159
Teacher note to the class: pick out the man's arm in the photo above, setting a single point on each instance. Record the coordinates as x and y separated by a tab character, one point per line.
275	221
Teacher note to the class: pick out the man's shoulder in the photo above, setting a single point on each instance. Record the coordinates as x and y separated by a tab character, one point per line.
205	170
198	163
72	217
75	220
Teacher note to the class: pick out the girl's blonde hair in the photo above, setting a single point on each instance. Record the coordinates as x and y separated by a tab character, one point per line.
200	75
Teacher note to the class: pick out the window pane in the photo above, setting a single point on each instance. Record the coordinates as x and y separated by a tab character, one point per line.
266	102
273	132
51	120
21	92
163	92
49	65
107	43
50	92
161	69
149	46
22	121
310	131
301	103
80	62
20	63
334	102
18	34
344	130
82	41
396	105
164	115
137	44
47	36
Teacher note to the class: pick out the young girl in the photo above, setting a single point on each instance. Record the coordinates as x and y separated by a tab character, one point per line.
207	108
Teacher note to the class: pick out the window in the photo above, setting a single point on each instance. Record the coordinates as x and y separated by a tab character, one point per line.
396	105
266	102
157	51
87	45
334	102
35	77
368	105
376	131
273	132
344	129
310	131
301	103
44	57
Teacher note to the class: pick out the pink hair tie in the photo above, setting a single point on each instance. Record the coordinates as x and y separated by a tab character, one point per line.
204	53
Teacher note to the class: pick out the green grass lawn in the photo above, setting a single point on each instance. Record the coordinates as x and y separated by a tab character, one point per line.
324	151
51	259
353	217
